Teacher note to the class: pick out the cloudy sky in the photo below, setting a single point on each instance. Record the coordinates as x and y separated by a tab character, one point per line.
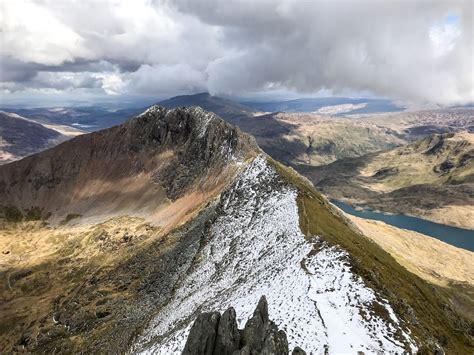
416	51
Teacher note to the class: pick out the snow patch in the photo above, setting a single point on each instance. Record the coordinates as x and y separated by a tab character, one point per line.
255	247
205	118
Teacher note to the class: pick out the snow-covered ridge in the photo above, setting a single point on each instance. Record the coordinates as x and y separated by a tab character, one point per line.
255	247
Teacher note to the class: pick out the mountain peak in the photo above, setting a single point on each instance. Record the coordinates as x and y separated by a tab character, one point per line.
201	117
169	153
191	124
152	110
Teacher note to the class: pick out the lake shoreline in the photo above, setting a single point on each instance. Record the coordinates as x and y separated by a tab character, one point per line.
456	236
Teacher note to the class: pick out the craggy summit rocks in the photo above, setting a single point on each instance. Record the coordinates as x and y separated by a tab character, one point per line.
213	334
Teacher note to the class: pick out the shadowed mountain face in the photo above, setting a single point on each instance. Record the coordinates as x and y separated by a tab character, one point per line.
20	137
116	241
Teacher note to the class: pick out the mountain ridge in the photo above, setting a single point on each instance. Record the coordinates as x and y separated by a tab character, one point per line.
232	111
118	279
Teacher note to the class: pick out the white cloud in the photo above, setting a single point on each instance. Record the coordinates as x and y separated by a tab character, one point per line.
443	37
404	50
112	83
166	80
31	33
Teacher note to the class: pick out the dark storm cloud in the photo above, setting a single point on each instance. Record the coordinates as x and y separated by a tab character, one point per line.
416	51
14	70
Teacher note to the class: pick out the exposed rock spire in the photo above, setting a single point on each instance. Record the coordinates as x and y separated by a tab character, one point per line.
213	334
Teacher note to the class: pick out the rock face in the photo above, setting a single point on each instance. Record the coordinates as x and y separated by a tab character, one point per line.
228	334
202	339
205	142
213	334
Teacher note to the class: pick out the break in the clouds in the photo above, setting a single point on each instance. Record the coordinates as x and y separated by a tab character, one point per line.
418	51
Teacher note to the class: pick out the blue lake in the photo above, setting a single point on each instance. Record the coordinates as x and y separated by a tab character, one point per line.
459	237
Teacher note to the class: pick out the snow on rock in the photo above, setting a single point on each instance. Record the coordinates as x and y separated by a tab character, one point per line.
151	110
255	247
204	119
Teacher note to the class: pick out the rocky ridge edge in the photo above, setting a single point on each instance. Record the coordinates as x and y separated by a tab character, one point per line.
216	334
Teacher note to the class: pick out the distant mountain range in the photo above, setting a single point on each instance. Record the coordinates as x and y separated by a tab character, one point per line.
92	118
346	105
329	105
294	138
89	119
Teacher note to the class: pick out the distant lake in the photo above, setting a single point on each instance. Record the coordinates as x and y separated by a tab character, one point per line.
459	237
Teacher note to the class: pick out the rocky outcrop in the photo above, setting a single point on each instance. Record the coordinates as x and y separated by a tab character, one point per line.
213	334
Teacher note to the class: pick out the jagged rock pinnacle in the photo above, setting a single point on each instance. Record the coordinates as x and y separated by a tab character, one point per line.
213	334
